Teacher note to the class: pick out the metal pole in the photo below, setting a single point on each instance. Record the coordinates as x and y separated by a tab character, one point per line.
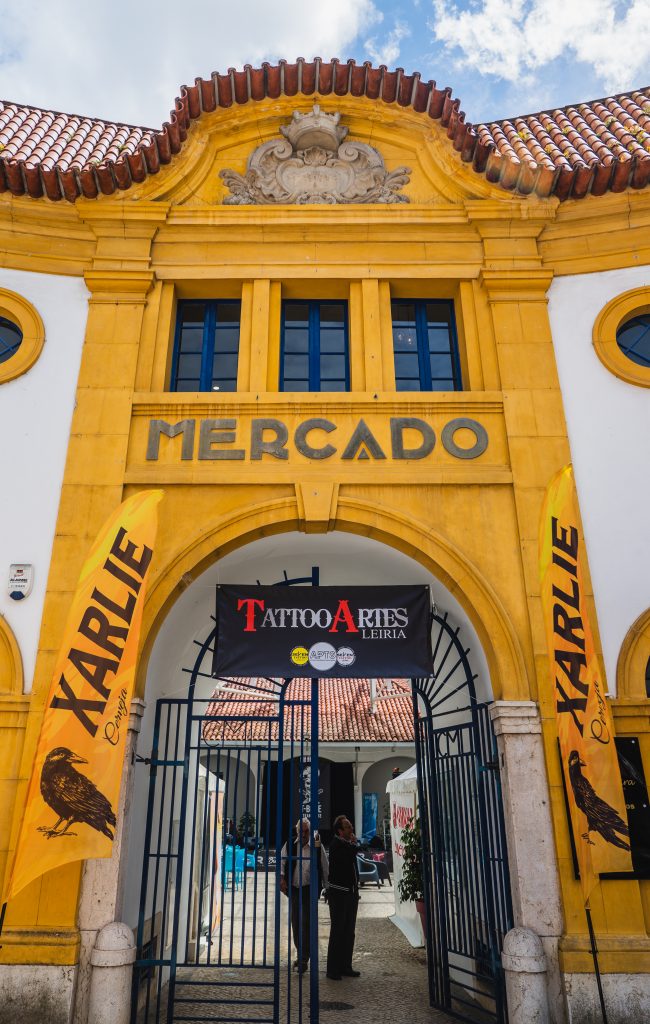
315	854
594	953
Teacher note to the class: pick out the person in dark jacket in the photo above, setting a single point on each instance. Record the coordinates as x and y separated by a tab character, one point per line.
343	899
298	889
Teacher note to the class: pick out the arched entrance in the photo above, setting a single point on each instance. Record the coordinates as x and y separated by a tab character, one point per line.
204	919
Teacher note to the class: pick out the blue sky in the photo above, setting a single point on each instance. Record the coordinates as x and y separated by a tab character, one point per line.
126	60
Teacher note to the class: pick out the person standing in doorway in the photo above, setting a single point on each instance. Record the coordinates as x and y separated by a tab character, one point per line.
298	890
343	899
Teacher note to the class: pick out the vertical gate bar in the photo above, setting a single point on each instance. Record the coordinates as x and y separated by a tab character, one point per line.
290	860
217	861
301	854
315	853
161	817
153	772
192	852
441	885
267	832
258	777
460	806
226	818
424	825
278	865
234	856
246	811
171	991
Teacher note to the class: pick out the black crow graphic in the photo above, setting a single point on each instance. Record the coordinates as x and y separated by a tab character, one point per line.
600	816
72	796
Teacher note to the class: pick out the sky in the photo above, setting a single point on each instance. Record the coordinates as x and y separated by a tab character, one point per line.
125	60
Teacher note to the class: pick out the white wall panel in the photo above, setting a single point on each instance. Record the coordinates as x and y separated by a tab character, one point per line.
35	417
609	431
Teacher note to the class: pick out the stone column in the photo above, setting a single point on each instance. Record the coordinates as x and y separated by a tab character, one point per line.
532	858
102	884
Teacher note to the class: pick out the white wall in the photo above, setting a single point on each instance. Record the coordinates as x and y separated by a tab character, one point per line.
609	431
35	417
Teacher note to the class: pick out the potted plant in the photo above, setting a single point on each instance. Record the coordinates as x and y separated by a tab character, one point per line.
411	885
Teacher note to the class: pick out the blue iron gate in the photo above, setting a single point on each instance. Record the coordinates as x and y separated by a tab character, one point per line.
465	867
214	934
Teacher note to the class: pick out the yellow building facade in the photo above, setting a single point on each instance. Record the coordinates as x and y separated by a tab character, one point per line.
468	512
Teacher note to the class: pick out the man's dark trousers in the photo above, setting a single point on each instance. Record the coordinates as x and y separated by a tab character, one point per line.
300	917
343	915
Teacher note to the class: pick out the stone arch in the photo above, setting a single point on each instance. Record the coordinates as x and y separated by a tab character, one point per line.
633	661
11	663
381	523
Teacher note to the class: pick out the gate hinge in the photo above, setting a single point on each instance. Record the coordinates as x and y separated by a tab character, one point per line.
490	766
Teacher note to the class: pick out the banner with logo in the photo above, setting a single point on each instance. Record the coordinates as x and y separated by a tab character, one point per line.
584	720
72	799
342	632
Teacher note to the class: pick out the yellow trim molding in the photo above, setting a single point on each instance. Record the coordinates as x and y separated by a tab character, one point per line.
21	312
614	315
11	663
632	661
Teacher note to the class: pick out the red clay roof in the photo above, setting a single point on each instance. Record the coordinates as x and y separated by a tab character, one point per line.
589	148
343	712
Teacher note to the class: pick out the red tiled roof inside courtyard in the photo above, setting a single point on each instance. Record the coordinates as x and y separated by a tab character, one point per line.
344	711
585	149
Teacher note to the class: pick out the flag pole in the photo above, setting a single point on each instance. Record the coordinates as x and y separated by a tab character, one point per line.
594	954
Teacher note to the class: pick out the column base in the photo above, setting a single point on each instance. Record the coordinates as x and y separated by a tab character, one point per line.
37	993
627	998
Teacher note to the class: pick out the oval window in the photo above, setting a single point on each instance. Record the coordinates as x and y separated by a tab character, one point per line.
633	339
11	337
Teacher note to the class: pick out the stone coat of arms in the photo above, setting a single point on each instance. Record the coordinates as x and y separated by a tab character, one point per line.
314	163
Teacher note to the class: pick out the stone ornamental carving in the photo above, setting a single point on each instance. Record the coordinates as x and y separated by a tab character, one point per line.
314	163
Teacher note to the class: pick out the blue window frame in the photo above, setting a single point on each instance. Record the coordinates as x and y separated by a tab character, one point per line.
11	337
206	347
425	346
314	346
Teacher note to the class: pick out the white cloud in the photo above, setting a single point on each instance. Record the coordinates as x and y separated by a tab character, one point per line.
514	38
388	51
126	60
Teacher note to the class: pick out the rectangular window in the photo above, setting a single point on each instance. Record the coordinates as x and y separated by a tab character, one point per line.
314	354
206	350
425	346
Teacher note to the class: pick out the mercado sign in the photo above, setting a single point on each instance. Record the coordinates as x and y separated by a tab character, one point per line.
341	632
316	438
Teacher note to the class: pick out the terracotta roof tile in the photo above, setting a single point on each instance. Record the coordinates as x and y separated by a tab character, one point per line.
569	152
344	711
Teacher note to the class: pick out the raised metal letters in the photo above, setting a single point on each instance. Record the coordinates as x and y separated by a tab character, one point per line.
480	433
219	432
276	448
158	427
300	438
398	424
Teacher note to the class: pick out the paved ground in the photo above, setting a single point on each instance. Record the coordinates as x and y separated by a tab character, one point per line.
392	988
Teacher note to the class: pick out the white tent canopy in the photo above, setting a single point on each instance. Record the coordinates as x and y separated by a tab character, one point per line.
403	795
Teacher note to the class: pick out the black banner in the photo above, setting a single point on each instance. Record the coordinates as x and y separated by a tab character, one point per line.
340	632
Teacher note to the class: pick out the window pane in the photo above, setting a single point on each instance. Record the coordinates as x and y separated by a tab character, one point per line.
333	385
296	313
407	365
227	339
192	313
440	366
296	385
403	312
11	338
439	339
228	313
296	367
224	365
296	340
332	340
332	367
438	313
443	384
332	314
407	385
187	385
192	339
633	339
224	385
189	366
405	339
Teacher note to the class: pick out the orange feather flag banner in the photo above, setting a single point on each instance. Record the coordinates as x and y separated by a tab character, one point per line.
73	793
584	720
